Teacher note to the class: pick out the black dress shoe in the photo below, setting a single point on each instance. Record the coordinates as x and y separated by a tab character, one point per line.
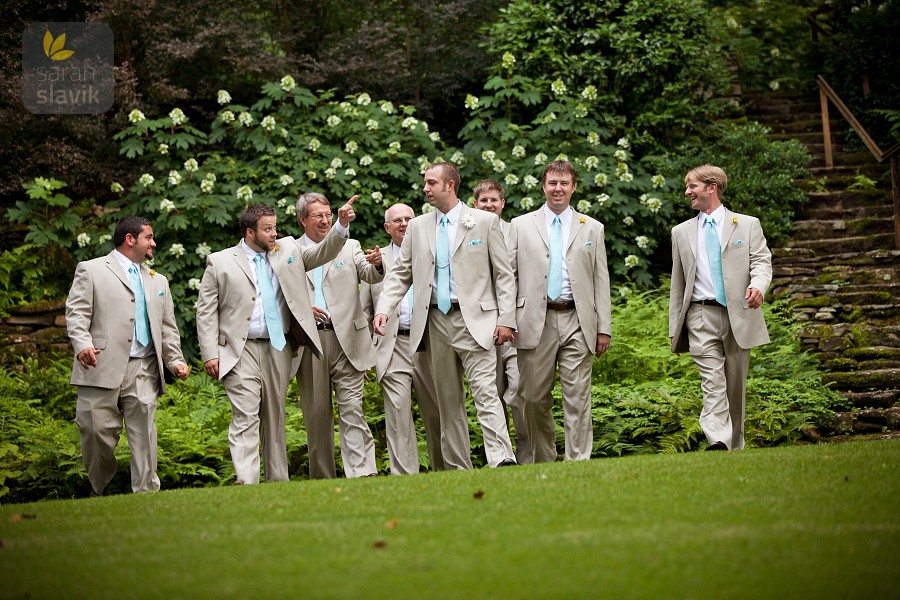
507	463
105	492
717	446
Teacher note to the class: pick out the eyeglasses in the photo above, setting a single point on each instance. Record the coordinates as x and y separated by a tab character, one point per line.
321	217
400	220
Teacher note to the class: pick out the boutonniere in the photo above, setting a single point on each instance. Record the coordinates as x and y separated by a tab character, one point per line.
734	221
290	259
339	265
160	293
474	242
152	272
582	220
468	222
589	243
738	242
276	248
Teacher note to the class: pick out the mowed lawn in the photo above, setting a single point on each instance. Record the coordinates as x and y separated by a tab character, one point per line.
792	522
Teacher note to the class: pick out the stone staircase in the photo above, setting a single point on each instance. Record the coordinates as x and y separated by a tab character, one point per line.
840	269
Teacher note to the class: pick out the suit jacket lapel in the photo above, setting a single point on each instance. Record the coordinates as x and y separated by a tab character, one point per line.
461	230
240	258
729	227
430	225
575	229
541	226
113	265
692	237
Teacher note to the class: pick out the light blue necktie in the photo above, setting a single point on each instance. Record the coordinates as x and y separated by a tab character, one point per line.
714	251
442	264
554	278
141	322
318	292
270	307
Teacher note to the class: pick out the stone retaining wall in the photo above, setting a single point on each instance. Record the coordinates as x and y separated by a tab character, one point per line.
35	329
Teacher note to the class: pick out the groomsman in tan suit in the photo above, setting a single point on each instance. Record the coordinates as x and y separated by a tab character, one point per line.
721	269
252	314
333	290
491	197
400	369
121	322
559	257
464	292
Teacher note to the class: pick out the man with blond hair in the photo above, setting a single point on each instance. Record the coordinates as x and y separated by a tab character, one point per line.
721	268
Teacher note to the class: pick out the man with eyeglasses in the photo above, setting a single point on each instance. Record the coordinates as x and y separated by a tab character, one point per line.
400	369
347	351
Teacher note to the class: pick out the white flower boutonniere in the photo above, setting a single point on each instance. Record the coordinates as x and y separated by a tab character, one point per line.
469	222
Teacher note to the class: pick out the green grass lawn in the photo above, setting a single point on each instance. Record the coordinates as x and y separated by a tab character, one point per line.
790	522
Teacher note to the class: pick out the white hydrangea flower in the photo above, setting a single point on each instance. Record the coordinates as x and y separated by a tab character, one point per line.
227	116
471	102
163	149
601	179
584	206
194	283
174	177
190	165
336	163
223	97
457	158
622	143
330	173
116	187
631	261
245	119
286	180
508	60
620	155
654	204
589	93
146	179
629	221
244	193
280	150
774	85
540	158
176	249
409	122
775	52
530	181
333	121
268	123
288	83
311	175
602	199
371	124
291	210
178	117
363	99
581	111
393	147
282	202
104	238
626	176
434	136
83	239
592	138
527	203
657	181
624	291
488	155
345	106
350	172
499	165
166	205
365	160
284	132
558	87
136	116
732	23
351	147
211	176
314	144
518	151
387	107
591	162
377	196
642	241
426	208
511	179
207	185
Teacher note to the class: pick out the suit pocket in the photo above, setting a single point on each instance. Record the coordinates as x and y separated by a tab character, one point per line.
520	301
99	343
221	339
361	323
488	305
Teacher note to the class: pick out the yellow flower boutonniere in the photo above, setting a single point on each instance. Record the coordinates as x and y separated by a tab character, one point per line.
152	272
582	220
276	248
734	221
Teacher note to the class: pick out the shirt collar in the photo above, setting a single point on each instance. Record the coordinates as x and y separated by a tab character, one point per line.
718	215
453	215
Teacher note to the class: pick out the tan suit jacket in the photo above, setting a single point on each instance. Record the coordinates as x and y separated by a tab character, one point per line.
746	262
228	293
588	276
479	263
100	314
340	284
368	296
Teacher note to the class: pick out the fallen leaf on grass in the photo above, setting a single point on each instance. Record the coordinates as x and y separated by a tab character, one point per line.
338	490
392	524
379	544
478	495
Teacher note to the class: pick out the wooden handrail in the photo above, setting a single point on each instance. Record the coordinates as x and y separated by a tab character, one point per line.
826	93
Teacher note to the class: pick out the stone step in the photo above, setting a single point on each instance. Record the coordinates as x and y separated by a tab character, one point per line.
864	380
808	138
834	340
768	108
820	211
822	229
876	399
874	420
848	198
847	244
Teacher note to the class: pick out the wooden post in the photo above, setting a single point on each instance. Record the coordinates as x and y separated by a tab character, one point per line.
826	128
895	193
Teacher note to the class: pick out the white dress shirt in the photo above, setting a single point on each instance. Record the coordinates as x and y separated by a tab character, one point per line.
703	285
258	328
452	227
137	350
565	219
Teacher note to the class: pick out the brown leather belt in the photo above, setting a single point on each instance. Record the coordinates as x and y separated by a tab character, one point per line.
707	303
453	306
403	332
561	305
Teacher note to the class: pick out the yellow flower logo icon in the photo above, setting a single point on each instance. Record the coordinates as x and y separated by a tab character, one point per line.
54	48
